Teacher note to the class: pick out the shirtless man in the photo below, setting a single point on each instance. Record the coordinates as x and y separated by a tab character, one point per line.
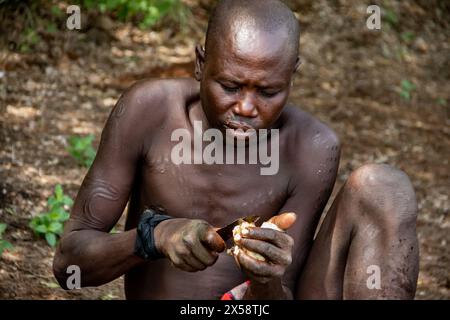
243	78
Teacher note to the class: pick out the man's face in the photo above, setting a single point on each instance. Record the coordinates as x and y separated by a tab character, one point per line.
245	79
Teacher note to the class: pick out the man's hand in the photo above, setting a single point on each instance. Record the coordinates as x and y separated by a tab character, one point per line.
275	246
191	245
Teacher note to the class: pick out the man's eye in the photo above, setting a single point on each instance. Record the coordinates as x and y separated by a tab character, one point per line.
229	88
269	94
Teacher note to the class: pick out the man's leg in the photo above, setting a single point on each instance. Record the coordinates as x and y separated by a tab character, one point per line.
370	227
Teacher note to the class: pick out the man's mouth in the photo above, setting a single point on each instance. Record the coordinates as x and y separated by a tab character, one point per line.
239	130
234	125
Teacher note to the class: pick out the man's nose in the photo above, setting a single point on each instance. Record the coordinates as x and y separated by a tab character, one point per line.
246	107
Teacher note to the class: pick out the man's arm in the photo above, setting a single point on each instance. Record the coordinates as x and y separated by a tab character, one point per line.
105	191
309	192
309	197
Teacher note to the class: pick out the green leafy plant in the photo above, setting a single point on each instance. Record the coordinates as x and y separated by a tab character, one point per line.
57	12
406	87
408	36
29	39
390	17
4	245
148	12
81	149
50	225
441	101
51	27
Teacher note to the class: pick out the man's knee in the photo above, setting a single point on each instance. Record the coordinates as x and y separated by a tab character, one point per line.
383	192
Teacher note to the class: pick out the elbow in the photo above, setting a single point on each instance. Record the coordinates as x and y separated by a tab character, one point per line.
66	273
60	275
60	267
67	266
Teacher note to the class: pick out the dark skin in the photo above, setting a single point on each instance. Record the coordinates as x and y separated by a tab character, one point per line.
241	85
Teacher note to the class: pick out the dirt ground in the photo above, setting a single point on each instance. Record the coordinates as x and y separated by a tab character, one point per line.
350	79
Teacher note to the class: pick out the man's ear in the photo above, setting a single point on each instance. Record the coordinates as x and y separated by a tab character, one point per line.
298	62
199	61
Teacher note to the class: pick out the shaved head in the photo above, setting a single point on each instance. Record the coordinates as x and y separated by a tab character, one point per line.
245	71
244	22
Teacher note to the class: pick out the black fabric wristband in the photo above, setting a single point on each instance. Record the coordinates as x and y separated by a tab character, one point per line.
145	243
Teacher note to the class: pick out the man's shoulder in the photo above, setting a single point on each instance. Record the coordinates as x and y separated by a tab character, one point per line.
163	85
150	100
146	93
308	131
314	148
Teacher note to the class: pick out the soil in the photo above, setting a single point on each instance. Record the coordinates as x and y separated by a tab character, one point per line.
350	79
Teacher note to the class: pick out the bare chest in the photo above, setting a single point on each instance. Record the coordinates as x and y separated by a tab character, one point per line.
216	193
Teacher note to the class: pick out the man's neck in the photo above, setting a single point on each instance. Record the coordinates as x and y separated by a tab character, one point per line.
195	113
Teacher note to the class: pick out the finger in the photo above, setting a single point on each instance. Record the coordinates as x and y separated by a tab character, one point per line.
194	263
205	256
183	258
180	264
185	267
284	221
212	240
196	248
259	268
278	238
268	250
